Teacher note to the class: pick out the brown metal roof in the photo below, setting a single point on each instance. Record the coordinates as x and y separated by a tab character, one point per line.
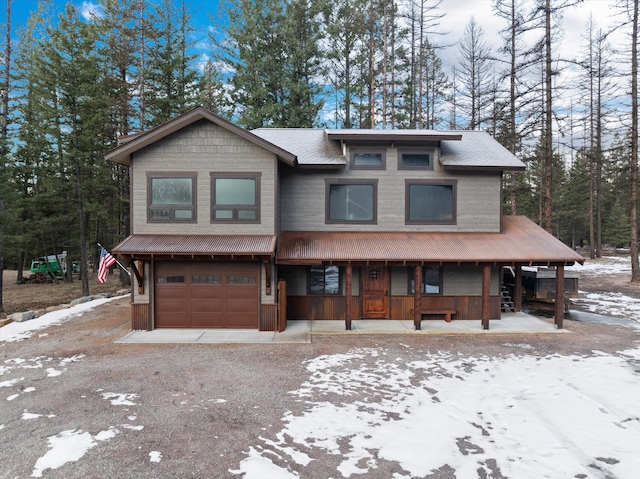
197	245
521	241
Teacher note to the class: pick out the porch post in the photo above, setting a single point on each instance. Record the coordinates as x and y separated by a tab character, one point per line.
486	296
559	313
348	281
417	298
517	289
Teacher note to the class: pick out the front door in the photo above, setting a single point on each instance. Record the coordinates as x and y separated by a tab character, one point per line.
375	292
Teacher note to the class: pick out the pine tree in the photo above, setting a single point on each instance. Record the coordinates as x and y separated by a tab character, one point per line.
170	79
616	226
77	117
273	51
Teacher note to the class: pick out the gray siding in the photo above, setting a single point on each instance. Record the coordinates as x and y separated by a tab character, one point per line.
203	148
457	280
303	198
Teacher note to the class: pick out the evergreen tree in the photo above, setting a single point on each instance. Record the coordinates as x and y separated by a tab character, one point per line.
344	21
273	52
170	78
616	226
211	93
77	115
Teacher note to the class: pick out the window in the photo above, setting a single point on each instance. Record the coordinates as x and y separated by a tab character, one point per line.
170	279
430	202
171	197
235	197
415	159
324	280
232	279
205	279
368	159
352	202
431	280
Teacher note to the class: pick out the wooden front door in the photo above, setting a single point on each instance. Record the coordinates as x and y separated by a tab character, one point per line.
375	292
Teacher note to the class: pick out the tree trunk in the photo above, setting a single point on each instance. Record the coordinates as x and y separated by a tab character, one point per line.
633	216
548	132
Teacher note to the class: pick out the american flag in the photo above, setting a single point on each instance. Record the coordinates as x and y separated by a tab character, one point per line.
106	261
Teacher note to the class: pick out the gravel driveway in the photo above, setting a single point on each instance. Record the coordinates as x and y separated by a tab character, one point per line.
178	411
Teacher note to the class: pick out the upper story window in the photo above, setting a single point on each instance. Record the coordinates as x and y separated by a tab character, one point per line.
368	159
430	202
324	280
351	201
235	197
415	159
171	197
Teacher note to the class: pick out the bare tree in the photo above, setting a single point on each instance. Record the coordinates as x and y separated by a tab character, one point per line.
633	219
474	75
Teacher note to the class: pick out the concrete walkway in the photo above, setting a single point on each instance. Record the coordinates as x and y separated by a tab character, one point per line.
299	331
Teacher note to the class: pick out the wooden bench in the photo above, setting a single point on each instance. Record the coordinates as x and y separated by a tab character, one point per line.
446	312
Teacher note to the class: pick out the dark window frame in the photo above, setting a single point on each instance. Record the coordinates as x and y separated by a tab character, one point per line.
327	207
454	201
354	151
152	175
235	208
429	151
324	282
411	278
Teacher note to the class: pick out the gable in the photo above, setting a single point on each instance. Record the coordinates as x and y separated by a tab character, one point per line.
133	143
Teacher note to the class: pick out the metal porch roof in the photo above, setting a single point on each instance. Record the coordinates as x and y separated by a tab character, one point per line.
197	245
521	241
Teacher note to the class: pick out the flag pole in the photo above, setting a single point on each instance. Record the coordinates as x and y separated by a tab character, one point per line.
119	264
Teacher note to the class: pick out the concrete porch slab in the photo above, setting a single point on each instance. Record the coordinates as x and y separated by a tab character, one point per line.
300	331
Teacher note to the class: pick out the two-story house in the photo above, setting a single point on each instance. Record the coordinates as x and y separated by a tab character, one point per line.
223	218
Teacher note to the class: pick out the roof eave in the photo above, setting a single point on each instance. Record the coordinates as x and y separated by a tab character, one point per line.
384	135
482	168
122	153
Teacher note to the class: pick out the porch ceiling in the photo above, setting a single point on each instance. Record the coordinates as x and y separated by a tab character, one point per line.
520	242
204	246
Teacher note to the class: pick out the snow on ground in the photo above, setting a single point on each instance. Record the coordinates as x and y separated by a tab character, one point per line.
524	416
69	446
26	329
610	303
521	416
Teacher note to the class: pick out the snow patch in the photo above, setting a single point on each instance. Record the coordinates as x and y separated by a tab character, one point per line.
20	331
155	456
68	446
120	399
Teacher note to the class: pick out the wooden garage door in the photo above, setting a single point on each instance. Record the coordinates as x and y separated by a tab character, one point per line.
206	294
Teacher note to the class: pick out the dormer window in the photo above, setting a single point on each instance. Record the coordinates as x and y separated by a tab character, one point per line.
368	159
415	159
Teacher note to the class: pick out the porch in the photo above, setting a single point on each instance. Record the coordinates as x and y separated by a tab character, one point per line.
304	331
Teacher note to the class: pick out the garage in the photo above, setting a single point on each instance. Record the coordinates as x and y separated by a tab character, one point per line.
206	294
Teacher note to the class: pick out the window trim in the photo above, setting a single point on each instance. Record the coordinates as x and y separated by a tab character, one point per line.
327	203
238	176
411	279
430	151
151	175
324	266
454	200
354	151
